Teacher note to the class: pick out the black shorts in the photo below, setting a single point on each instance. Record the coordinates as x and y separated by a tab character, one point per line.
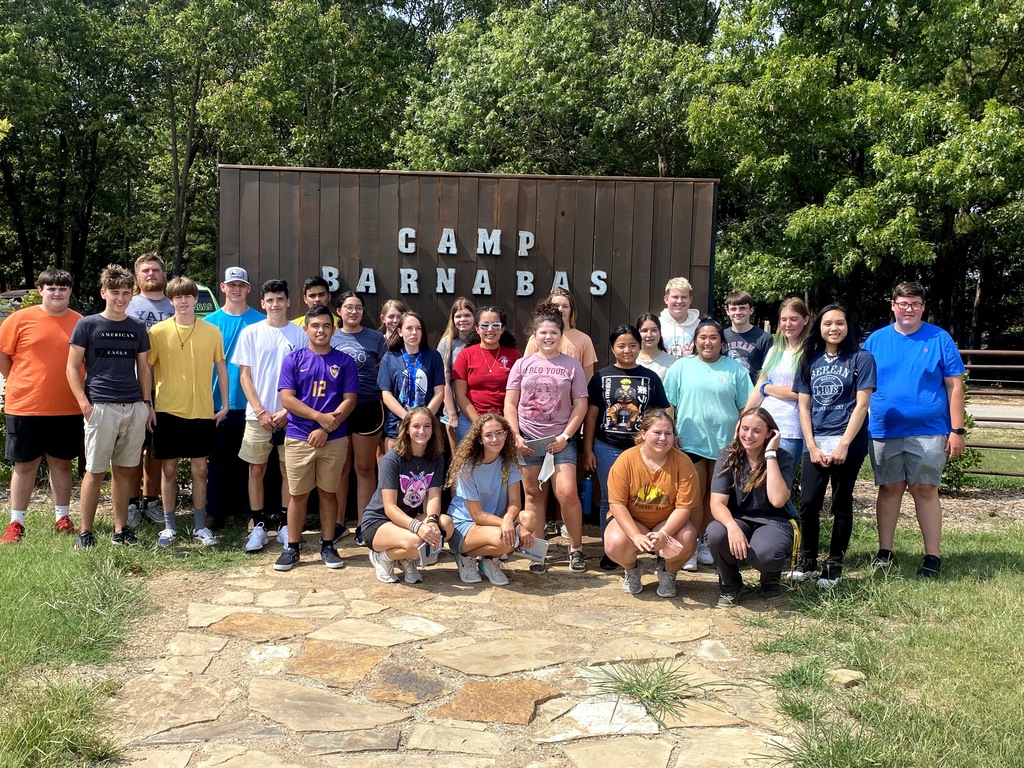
367	419
694	458
32	437
369	531
178	438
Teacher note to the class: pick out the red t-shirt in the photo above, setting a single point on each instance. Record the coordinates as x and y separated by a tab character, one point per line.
485	372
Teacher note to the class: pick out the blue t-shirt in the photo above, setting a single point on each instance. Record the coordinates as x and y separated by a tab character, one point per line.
708	398
394	377
321	382
911	397
833	388
231	328
366	349
488	484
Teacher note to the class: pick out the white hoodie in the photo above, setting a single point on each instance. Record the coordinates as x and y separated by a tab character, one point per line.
678	337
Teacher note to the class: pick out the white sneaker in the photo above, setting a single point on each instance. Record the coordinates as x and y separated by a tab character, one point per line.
258	538
166	537
412	573
564	531
467	569
691	564
704	556
205	537
385	568
282	535
491	568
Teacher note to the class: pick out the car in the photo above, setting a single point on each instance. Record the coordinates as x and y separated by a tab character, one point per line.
207	303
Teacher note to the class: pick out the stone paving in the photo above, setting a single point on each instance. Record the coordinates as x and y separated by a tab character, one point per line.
332	668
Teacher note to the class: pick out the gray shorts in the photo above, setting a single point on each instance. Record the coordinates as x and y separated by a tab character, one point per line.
916	459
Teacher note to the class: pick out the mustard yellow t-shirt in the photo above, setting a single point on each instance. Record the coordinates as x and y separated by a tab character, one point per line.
183	357
650	497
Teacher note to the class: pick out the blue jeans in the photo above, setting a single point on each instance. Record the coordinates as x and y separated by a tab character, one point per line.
794	446
462	428
606	456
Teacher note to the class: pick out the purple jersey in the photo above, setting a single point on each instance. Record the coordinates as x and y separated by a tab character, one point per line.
321	382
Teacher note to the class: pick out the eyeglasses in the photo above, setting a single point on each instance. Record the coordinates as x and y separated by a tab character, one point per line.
903	306
493	437
352	309
496	326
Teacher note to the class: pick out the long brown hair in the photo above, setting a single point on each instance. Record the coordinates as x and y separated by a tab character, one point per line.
403	444
451	332
736	456
469	454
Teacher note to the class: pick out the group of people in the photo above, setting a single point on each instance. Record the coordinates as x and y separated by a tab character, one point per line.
692	433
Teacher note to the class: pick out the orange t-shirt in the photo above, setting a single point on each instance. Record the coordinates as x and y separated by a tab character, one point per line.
650	497
575	343
38	345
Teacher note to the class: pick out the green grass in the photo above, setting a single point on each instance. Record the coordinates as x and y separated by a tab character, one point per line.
64	619
944	658
998	460
660	687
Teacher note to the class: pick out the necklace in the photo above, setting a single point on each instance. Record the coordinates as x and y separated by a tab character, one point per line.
830	358
653	466
494	358
184	341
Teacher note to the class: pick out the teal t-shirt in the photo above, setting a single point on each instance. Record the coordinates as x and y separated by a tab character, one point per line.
708	398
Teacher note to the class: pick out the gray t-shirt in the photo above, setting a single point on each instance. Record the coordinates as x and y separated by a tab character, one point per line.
111	349
150	311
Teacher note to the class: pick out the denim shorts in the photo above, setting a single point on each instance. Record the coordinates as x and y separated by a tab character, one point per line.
565	456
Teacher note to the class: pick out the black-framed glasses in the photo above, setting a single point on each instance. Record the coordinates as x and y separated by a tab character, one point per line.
903	306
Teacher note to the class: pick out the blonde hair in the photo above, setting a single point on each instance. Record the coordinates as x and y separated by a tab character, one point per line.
678	284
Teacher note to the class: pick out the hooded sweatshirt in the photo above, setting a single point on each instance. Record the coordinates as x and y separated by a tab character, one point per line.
678	337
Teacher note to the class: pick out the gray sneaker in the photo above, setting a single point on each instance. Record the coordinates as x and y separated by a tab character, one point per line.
154	511
134	513
726	600
631	580
666	584
331	557
412	573
84	540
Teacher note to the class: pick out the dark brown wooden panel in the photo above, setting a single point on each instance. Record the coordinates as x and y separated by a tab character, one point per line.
227	235
267	223
292	223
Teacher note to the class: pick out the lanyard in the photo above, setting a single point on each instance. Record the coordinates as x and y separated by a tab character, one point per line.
412	368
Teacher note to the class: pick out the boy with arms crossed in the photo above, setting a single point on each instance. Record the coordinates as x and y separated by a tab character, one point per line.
114	398
259	355
183	353
319	386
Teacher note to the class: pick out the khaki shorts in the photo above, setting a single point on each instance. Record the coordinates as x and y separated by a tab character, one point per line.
114	435
256	446
919	459
308	467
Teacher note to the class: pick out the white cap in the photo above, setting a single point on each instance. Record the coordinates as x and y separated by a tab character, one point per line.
236	275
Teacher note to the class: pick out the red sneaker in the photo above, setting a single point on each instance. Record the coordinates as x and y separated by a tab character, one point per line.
64	525
15	532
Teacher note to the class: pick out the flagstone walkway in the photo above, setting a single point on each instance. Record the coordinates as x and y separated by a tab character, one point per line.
332	668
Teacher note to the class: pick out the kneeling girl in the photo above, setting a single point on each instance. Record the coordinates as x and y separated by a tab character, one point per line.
405	510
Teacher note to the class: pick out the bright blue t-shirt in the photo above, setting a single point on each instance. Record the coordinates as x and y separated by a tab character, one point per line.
230	329
321	382
911	397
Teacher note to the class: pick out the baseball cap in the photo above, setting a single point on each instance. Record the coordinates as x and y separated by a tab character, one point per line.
236	275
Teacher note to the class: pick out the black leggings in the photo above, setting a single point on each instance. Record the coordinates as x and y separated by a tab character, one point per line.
814	480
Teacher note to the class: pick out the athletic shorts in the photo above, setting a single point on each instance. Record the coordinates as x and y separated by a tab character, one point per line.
114	435
178	438
308	467
32	437
915	459
257	444
367	419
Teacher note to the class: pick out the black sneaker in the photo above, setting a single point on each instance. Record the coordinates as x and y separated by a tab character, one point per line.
330	556
607	564
340	531
359	537
831	573
883	560
84	540
930	568
289	559
771	585
125	537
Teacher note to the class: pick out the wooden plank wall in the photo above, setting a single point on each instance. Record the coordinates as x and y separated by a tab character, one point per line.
288	223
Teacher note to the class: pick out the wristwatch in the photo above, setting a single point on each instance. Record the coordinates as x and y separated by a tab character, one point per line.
959	431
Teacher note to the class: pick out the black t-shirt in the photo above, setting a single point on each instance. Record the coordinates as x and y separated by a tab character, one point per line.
622	396
755	503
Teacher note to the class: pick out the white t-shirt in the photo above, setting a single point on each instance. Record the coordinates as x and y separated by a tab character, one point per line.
786	413
263	348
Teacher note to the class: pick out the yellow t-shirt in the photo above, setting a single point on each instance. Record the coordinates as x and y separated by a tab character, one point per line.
183	357
650	497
